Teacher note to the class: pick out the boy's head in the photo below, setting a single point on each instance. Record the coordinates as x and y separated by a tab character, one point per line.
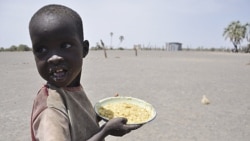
58	44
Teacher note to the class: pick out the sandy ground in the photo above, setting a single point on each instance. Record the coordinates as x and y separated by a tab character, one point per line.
174	82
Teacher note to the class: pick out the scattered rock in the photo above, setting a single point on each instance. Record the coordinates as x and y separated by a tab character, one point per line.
116	95
205	100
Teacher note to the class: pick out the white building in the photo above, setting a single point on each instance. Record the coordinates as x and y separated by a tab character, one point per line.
173	46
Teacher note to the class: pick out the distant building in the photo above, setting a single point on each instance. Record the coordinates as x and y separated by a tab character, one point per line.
173	46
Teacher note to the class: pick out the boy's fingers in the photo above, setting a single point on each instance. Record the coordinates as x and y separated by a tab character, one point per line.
132	126
123	120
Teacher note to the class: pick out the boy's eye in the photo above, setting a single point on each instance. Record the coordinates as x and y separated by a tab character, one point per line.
40	50
66	45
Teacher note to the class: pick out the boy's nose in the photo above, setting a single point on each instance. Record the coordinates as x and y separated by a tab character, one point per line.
55	59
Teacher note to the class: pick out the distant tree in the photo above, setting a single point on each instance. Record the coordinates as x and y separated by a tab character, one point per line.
247	25
236	32
97	47
12	48
22	47
248	37
111	35
121	38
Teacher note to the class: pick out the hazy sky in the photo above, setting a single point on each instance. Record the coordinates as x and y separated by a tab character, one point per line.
148	22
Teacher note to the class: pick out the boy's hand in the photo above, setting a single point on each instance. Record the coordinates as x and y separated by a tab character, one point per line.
118	127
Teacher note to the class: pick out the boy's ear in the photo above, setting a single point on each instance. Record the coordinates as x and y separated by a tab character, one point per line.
85	49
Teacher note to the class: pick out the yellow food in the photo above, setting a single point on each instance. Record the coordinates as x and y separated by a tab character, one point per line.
134	113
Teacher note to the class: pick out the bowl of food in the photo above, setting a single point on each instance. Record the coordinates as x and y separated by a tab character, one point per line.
137	111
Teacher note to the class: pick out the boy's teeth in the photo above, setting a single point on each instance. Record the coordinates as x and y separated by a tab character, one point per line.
59	70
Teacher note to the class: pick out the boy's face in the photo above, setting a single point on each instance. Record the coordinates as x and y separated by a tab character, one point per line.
58	50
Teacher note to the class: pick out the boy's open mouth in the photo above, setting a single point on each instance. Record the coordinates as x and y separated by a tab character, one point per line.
58	73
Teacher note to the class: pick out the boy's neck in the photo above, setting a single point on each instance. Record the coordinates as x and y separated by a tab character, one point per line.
76	81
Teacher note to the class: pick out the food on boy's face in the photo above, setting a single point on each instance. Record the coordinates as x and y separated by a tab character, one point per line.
62	73
58	73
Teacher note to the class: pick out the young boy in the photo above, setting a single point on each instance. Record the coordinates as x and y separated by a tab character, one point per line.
61	110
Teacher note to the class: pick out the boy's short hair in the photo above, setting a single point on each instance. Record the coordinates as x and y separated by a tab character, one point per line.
61	11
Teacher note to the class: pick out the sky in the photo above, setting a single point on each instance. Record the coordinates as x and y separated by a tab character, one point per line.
151	23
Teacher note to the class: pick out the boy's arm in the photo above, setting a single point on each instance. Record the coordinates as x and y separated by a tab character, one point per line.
50	125
114	127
